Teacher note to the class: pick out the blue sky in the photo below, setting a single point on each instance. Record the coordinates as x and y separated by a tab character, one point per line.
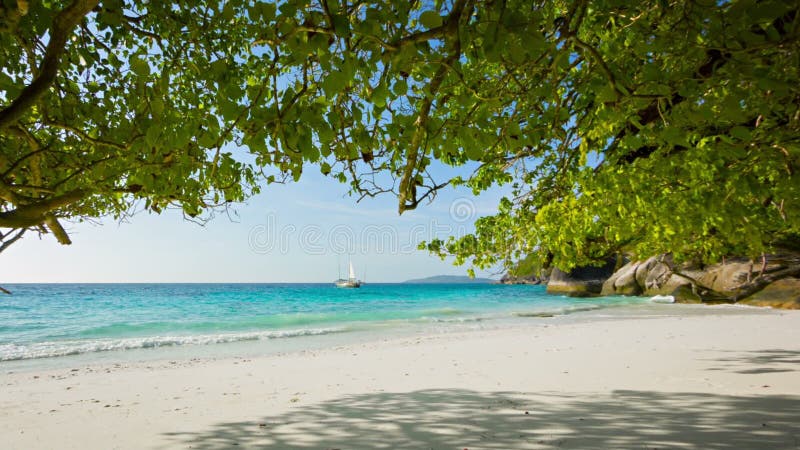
299	232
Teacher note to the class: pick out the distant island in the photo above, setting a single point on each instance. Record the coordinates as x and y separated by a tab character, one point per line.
445	279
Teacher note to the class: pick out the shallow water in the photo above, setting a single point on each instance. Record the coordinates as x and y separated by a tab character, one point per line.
52	321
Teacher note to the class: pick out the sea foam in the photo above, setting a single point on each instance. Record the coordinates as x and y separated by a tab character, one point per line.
48	349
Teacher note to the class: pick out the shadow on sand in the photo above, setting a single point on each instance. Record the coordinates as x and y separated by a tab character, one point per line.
459	419
761	361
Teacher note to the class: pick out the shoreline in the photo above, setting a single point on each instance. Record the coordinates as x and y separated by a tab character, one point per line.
708	380
264	342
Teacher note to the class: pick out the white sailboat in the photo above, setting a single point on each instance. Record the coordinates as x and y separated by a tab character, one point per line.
351	282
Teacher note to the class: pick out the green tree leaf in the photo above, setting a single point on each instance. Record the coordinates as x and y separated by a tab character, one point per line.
430	19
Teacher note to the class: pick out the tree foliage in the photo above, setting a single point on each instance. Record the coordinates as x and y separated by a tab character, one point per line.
106	106
668	128
645	128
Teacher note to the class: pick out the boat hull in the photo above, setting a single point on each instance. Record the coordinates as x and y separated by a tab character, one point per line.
347	284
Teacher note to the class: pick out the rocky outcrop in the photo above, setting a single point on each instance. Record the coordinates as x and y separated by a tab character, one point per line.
783	293
685	294
771	281
581	281
652	276
531	279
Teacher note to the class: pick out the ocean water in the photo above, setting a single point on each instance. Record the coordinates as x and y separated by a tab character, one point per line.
56	321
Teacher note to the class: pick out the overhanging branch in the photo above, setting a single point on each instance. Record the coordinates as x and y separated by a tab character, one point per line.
406	196
35	214
62	27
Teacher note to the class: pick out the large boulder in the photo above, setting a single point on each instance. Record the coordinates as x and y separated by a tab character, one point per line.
767	282
581	281
685	294
783	293
652	276
623	281
733	278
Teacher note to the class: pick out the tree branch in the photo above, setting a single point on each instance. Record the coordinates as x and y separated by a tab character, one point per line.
81	134
58	231
407	187
62	27
612	80
35	214
7	243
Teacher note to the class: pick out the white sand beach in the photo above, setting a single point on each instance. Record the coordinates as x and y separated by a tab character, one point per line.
710	381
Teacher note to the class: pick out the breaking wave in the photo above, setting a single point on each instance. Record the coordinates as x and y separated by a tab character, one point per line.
48	349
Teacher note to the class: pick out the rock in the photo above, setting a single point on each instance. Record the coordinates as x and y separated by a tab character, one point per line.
666	283
623	281
727	278
532	279
581	281
649	277
783	294
685	294
770	284
658	278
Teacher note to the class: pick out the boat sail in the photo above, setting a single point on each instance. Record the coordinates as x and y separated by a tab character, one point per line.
351	282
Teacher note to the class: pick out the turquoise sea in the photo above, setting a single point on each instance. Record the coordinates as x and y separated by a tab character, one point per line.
58	321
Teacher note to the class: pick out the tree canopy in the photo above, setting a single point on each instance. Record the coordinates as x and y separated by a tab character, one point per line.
643	128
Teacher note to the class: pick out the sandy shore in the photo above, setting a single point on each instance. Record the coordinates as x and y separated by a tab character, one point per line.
724	382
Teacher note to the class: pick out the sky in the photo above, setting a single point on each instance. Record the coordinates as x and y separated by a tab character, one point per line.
298	232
